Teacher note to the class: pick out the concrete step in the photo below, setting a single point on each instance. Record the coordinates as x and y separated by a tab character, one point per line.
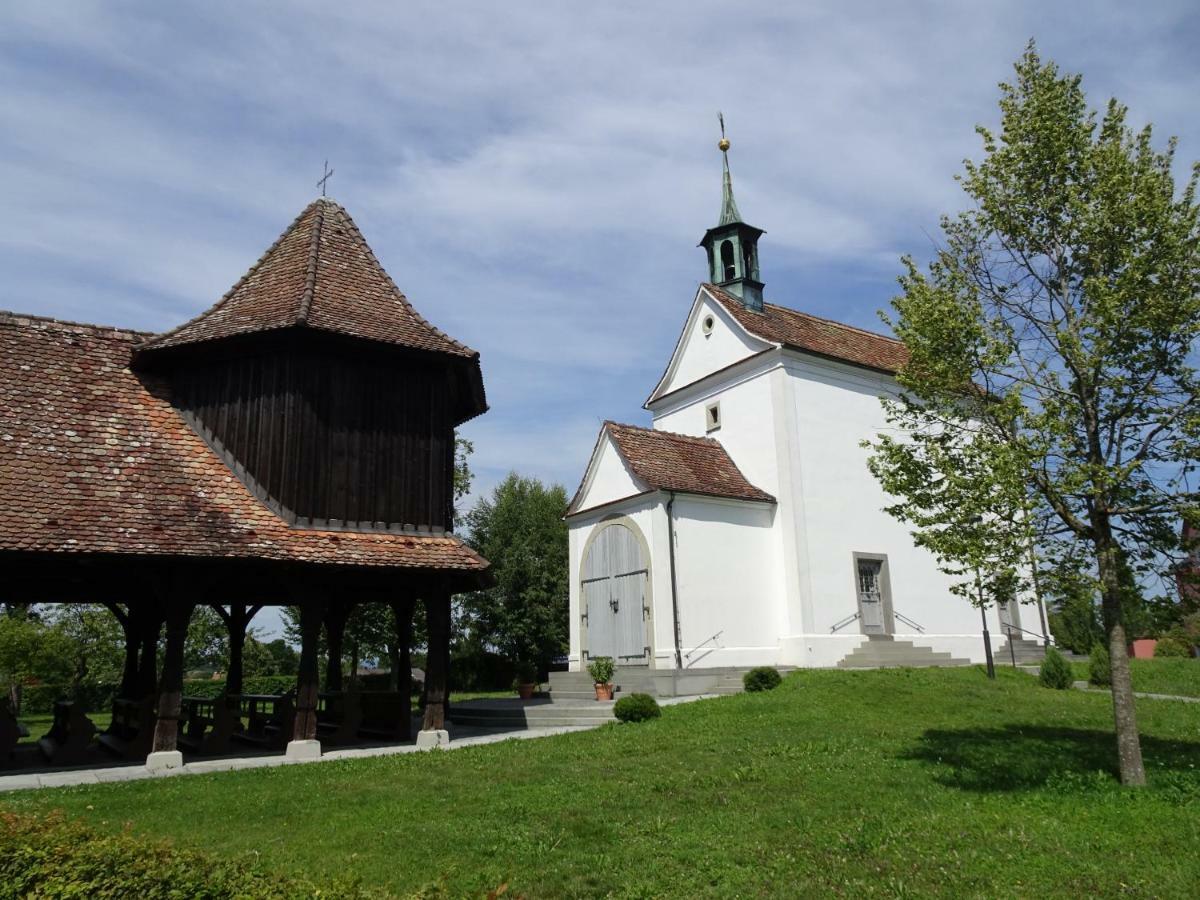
881	653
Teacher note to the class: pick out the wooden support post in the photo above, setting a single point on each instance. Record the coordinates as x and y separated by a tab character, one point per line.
307	678
129	629
335	630
237	620
170	695
402	612
150	623
437	620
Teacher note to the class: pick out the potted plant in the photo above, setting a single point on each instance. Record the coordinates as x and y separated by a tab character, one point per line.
527	680
601	669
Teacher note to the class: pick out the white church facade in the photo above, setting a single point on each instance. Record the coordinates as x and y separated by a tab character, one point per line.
744	528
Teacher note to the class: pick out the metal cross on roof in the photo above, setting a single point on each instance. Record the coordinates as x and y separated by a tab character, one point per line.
325	178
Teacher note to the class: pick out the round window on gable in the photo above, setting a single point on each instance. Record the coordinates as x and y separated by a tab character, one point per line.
706	325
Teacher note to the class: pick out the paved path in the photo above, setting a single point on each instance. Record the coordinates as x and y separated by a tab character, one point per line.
1086	687
461	736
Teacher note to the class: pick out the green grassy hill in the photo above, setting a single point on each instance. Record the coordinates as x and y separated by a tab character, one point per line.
929	782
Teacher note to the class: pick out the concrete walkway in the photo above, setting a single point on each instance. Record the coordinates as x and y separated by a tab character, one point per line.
1087	688
460	736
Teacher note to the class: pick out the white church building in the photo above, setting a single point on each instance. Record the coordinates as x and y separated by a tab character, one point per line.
744	528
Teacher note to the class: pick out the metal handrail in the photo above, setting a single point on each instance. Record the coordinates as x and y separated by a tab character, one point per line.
1008	628
846	621
907	621
688	655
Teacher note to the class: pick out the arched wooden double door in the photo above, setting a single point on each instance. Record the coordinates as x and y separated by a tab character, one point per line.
615	591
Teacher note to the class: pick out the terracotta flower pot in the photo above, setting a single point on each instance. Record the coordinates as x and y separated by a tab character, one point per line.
525	691
604	691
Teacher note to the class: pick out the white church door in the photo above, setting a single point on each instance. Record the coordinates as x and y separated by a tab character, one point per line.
874	594
615	575
1010	618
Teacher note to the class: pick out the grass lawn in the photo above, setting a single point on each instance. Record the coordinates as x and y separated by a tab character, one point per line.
925	782
1180	677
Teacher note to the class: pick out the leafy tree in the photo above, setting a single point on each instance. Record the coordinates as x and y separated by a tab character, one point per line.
31	651
1051	343
520	529
207	646
462	472
92	640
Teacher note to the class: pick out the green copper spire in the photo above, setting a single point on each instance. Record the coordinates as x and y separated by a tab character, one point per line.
729	210
732	245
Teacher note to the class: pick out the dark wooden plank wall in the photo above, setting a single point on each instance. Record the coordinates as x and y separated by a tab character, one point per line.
331	436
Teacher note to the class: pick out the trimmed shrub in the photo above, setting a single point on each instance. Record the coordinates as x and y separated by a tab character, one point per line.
38	699
762	678
51	856
1100	667
1173	644
601	669
1056	671
636	708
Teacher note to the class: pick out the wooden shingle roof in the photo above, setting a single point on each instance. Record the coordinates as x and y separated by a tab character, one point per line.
319	274
95	459
666	461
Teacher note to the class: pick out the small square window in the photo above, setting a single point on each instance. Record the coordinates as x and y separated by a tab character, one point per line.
712	416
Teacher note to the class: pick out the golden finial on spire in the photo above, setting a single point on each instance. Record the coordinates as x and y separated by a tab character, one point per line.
723	144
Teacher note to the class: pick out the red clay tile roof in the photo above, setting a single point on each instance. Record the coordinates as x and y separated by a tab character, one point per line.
801	331
94	459
678	462
320	274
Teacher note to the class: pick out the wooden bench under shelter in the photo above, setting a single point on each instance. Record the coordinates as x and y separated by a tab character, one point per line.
294	445
209	723
269	718
339	715
11	732
69	740
131	731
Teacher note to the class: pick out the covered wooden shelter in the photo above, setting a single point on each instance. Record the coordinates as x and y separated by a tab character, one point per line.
292	445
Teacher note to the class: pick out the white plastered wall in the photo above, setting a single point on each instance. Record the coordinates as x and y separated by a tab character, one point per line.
725	575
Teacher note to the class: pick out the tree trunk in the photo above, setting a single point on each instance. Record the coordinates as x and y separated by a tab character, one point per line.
437	619
306	678
170	695
1129	748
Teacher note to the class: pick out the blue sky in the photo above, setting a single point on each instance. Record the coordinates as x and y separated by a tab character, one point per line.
534	176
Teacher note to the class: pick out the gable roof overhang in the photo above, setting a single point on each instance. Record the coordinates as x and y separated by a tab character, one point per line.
670	462
790	329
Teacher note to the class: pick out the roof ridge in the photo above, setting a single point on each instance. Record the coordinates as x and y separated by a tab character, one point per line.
310	276
835	322
670	434
362	242
12	317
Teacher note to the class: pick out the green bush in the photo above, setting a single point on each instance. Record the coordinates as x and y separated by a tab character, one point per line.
1056	671
636	708
51	856
1100	667
762	678
257	684
473	669
601	669
1174	643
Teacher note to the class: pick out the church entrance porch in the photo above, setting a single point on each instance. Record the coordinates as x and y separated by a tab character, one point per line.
615	593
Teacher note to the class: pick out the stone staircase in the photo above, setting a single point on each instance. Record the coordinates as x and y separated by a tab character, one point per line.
1027	652
571	698
882	652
